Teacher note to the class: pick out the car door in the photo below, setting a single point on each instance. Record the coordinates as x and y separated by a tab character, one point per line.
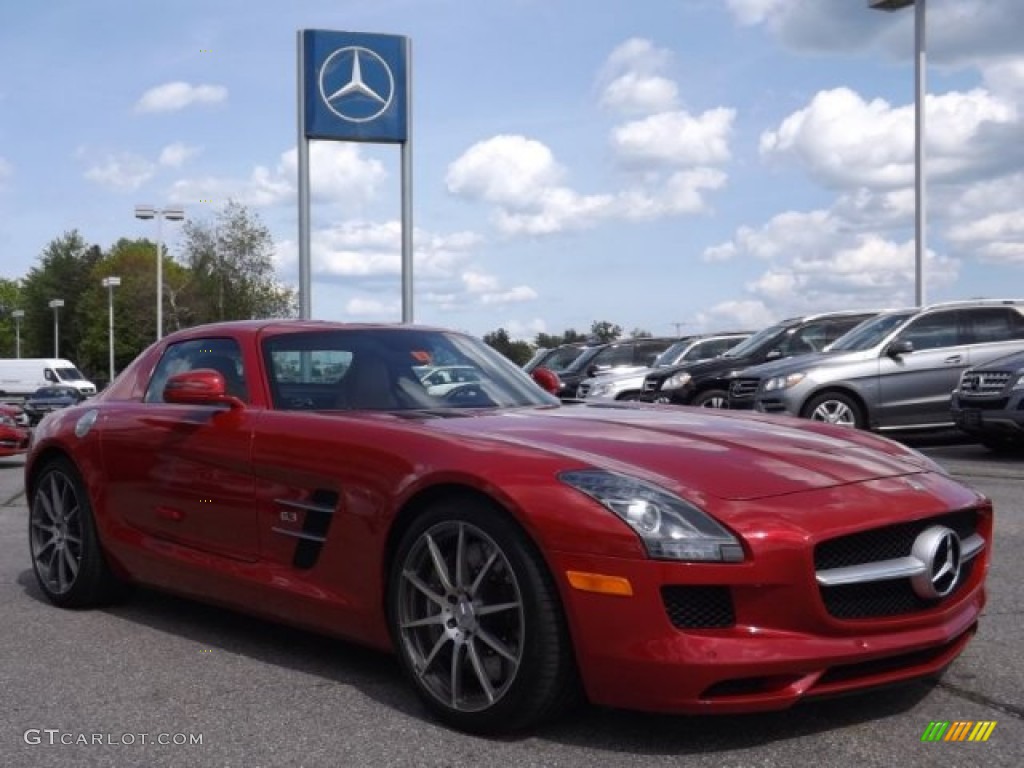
183	473
914	388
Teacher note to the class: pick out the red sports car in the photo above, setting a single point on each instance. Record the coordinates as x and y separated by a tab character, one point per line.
513	551
13	437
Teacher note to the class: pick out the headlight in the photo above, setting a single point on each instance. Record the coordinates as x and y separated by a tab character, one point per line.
670	528
7	421
599	390
677	381
784	382
1019	383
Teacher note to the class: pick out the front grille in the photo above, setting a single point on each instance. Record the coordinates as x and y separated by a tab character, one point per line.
743	388
984	383
884	598
583	390
698	607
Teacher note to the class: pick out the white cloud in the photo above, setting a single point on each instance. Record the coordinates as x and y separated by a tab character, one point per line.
123	171
515	295
520	330
171	97
634	82
175	155
507	170
741	313
522	179
843	141
339	174
676	138
959	31
815	262
373	309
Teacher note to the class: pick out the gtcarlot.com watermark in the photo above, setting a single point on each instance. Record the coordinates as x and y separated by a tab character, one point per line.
57	737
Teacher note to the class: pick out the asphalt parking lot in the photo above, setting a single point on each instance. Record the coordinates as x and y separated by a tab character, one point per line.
162	669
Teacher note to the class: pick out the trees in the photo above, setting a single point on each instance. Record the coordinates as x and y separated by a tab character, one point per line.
516	351
229	272
64	272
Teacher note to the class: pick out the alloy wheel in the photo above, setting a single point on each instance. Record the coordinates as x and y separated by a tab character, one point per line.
460	616
56	533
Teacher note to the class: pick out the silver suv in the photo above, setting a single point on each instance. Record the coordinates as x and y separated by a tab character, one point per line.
896	371
629	385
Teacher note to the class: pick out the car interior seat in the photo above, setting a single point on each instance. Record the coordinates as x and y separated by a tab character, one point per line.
367	385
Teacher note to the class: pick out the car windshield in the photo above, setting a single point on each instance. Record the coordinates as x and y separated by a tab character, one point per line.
673	354
759	339
48	392
871	332
69	373
394	369
562	358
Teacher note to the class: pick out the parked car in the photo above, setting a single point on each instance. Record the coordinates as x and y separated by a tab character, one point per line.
512	551
988	403
620	356
46	399
13	436
895	372
707	384
445	378
22	376
629	386
558	358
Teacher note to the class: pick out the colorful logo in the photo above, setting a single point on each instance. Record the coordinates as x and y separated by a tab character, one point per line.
958	730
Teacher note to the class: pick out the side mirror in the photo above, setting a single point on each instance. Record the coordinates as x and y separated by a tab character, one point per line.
203	386
900	347
547	380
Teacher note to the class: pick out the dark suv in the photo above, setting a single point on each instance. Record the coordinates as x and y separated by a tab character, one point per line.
617	356
706	383
988	403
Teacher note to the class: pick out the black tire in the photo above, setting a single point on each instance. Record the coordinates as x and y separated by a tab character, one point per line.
495	672
712	398
1003	443
835	408
629	397
65	550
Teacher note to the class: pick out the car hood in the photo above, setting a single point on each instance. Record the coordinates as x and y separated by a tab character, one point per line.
785	365
694	451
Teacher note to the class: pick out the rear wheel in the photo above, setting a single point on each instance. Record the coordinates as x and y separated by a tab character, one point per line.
835	408
712	398
65	549
476	620
629	396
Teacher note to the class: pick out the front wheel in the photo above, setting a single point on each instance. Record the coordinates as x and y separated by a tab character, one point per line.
835	408
477	622
712	398
65	548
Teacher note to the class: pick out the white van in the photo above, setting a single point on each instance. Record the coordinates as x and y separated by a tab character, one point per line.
23	376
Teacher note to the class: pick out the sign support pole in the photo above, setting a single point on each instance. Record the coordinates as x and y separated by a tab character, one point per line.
407	252
305	282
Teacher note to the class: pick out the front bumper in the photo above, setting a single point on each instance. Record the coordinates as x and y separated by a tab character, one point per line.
989	417
13	441
777	645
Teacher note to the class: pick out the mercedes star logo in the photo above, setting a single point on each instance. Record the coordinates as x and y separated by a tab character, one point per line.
938	548
356	84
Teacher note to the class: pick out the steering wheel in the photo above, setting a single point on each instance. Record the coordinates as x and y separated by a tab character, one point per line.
466	393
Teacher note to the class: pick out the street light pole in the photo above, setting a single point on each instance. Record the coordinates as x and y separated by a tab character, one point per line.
920	70
172	214
17	315
55	305
110	283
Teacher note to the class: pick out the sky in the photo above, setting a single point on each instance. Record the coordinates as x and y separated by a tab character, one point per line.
674	166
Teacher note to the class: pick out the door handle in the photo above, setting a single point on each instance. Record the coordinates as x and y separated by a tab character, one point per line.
952	359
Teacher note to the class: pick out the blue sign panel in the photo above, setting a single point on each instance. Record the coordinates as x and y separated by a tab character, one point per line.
356	86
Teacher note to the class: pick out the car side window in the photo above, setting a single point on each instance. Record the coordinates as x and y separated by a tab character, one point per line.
221	355
995	324
933	331
613	356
